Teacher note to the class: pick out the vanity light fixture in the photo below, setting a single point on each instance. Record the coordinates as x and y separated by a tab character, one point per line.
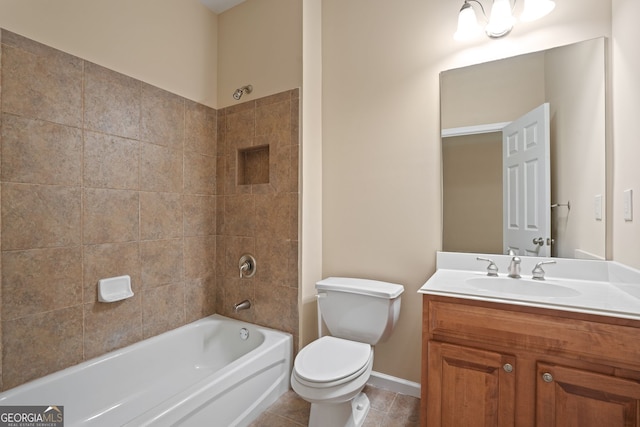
501	20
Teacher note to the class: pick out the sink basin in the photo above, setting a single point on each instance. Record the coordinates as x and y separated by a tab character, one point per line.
526	287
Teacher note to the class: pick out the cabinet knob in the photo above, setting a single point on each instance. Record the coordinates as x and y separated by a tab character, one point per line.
508	367
547	377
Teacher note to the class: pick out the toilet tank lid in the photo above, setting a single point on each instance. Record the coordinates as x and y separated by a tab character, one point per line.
374	288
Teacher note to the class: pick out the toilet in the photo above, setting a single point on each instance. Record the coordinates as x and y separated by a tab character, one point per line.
331	372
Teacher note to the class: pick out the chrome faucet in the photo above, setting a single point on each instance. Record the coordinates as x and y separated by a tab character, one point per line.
538	272
247	266
492	268
514	268
243	305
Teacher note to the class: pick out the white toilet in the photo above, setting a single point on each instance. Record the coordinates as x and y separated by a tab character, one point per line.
331	372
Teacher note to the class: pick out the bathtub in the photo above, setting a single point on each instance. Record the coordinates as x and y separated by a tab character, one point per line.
213	372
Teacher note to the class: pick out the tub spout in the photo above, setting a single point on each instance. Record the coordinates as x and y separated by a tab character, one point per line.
243	305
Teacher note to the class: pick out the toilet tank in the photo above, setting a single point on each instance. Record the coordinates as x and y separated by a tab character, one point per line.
360	310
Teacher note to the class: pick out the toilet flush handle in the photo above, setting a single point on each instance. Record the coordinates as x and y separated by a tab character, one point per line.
321	295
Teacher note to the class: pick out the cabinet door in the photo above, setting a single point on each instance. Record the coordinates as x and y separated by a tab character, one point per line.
568	397
469	387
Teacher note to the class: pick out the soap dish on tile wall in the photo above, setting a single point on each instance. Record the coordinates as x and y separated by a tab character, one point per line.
114	289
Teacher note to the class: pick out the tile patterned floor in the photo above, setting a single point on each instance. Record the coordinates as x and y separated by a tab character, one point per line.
388	409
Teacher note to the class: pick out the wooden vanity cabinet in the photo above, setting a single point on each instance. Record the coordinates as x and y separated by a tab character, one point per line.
492	364
577	397
469	387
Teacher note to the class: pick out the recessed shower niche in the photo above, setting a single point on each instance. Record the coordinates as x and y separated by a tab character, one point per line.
253	165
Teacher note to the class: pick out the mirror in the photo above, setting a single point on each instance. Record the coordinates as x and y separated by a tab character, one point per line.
477	101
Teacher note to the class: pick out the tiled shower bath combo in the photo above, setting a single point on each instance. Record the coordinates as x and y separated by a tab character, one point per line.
104	175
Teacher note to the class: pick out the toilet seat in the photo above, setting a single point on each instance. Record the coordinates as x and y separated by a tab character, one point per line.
330	361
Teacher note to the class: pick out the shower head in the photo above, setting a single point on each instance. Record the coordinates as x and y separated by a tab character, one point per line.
241	91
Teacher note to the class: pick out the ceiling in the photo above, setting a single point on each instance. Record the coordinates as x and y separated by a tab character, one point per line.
219	6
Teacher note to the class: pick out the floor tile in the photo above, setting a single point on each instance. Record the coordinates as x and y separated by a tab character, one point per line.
388	409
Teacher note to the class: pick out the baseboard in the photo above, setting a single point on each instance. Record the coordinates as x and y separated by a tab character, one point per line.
395	384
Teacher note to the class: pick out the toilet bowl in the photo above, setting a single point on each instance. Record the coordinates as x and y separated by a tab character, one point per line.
332	371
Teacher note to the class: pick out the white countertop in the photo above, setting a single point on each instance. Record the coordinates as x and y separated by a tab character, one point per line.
598	287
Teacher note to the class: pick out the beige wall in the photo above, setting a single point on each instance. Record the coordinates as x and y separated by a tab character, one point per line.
381	156
626	109
259	43
578	138
381	144
472	193
493	92
311	170
178	45
171	44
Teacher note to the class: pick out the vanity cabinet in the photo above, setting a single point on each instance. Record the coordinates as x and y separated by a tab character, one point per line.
494	364
459	375
576	397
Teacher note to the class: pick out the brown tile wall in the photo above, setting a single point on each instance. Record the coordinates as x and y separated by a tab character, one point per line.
101	175
260	219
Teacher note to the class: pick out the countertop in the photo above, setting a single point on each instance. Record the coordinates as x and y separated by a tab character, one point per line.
595	287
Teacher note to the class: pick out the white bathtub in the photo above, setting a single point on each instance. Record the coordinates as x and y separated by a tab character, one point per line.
202	374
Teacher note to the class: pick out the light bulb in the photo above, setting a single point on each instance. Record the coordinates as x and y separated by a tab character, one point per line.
468	26
500	20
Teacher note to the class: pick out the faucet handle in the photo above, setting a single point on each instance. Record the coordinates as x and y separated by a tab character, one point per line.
247	266
538	273
492	268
